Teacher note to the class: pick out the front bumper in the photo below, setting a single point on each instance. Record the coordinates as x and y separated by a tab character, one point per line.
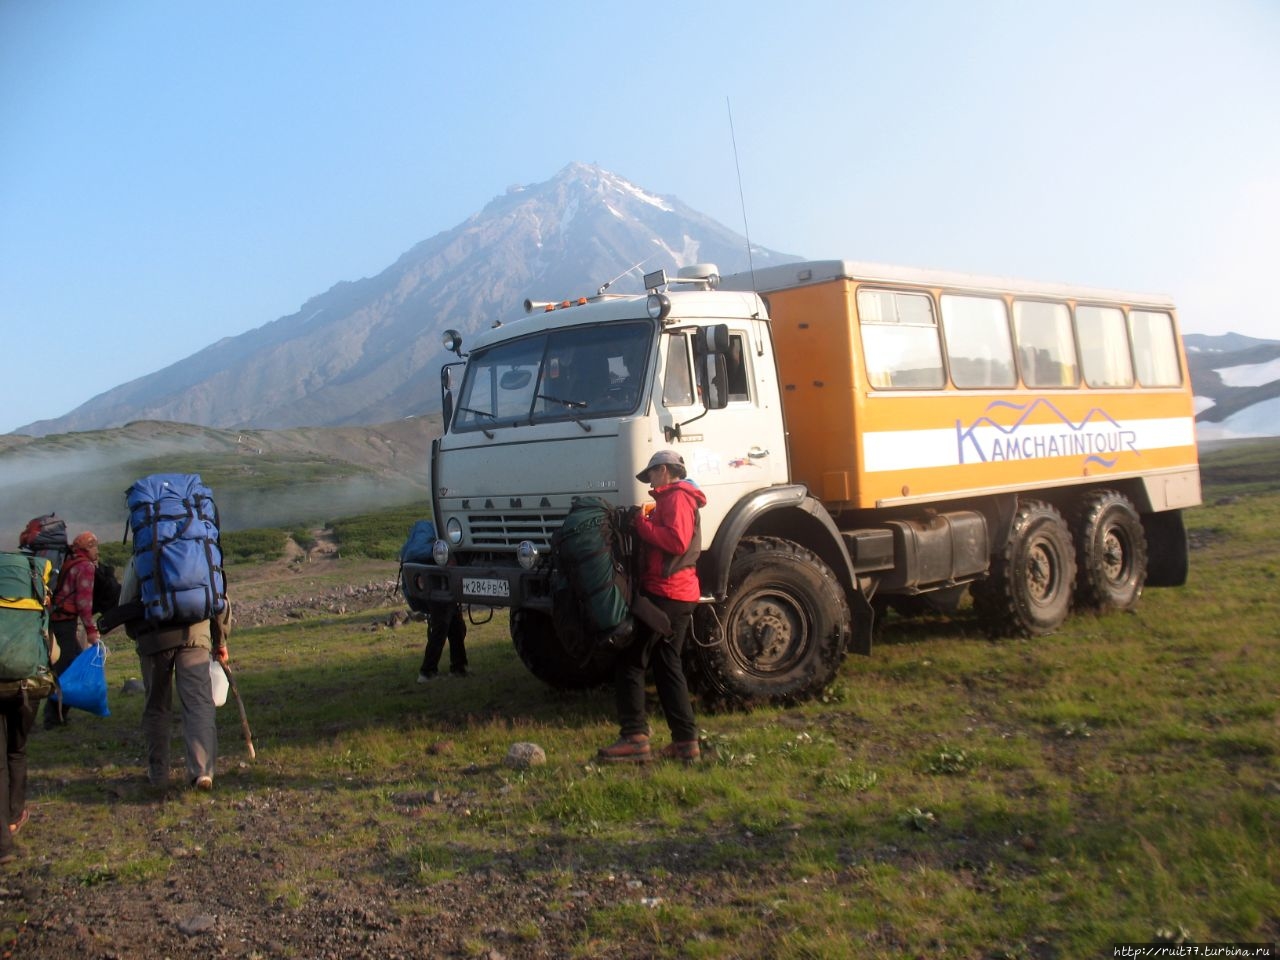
487	585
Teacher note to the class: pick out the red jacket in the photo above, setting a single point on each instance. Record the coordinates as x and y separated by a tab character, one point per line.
667	534
73	597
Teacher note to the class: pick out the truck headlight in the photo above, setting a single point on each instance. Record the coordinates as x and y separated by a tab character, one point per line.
453	529
440	553
527	554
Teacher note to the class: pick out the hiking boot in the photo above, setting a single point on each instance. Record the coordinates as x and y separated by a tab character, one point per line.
686	750
18	824
204	783
633	748
424	677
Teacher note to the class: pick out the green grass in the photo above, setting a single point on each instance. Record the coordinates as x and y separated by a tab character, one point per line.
948	796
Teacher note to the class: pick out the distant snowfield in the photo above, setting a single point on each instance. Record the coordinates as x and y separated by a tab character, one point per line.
1250	374
1259	420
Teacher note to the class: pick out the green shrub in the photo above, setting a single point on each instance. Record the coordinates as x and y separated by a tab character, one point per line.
378	536
259	543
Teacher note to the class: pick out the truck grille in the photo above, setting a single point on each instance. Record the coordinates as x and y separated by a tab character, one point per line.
496	530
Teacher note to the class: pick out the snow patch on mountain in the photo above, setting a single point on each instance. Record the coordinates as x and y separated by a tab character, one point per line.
641	195
1259	420
1250	374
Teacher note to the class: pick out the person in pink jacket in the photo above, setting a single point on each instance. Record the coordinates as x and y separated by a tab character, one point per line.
669	540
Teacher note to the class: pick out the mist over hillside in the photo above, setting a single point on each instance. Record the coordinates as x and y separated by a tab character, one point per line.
259	478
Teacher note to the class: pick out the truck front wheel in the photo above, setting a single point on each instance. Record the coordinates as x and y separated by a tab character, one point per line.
1028	588
781	632
551	660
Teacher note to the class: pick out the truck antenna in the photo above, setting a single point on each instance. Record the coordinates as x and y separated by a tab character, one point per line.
610	283
746	231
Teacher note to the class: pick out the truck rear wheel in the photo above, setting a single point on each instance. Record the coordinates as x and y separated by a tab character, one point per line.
782	631
1028	588
1111	552
550	659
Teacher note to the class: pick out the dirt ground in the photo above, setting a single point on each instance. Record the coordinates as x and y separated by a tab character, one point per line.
333	905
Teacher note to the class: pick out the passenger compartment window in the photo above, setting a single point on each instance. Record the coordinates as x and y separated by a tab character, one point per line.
1155	352
900	340
1104	346
979	348
1046	344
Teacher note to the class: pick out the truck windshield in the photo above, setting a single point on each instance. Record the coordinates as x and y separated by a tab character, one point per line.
575	373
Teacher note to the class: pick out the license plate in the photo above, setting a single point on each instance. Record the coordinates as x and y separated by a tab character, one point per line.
482	587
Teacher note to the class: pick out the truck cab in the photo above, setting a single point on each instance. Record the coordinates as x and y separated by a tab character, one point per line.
572	400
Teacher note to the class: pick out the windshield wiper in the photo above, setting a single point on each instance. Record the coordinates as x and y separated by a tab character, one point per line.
480	413
571	404
564	403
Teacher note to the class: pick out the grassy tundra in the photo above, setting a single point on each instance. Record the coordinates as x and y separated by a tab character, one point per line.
950	796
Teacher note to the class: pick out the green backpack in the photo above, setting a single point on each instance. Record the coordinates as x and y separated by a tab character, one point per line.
25	669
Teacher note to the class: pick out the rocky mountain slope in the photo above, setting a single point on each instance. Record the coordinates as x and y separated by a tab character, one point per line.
369	351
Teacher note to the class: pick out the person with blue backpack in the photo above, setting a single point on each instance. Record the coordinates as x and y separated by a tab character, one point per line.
173	604
444	620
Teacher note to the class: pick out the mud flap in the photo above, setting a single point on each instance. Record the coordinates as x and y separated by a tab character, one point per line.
863	618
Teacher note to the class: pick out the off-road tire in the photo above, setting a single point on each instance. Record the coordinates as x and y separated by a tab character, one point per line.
1028	588
548	658
1111	552
781	633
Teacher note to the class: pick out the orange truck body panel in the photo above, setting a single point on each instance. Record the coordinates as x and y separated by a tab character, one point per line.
858	447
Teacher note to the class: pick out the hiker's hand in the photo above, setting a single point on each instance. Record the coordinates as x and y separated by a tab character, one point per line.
220	654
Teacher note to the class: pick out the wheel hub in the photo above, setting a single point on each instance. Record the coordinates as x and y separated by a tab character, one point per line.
768	632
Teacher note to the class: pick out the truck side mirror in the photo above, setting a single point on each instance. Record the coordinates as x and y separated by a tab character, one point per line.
709	348
446	394
713	376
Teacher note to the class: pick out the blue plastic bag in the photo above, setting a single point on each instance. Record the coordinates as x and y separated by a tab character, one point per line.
84	682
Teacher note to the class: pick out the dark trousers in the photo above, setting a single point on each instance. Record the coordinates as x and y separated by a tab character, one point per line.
664	655
70	645
445	621
17	717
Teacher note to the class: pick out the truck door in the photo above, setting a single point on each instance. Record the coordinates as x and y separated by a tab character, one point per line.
731	451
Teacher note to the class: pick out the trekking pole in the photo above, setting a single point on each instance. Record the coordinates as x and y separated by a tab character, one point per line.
244	719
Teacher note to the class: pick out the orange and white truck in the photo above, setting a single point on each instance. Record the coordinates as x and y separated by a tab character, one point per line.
867	436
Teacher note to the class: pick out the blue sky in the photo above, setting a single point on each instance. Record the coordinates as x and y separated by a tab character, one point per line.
171	174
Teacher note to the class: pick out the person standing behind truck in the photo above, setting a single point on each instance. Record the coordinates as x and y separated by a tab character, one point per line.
444	619
73	610
669	544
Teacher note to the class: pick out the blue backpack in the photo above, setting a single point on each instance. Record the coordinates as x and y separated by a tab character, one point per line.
176	555
417	549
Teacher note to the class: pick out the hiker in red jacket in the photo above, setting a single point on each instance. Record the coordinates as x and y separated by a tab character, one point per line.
72	611
670	541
